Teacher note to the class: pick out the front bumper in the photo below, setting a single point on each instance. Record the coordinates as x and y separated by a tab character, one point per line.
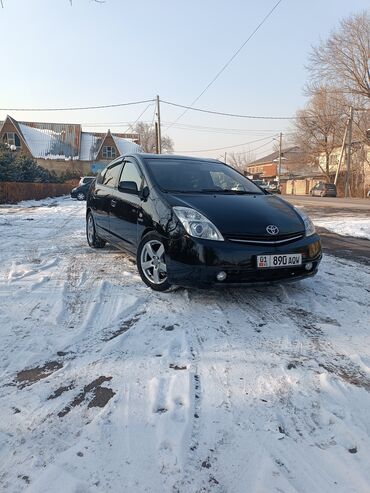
192	262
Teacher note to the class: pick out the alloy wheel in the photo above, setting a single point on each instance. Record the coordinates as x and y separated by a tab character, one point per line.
153	263
90	229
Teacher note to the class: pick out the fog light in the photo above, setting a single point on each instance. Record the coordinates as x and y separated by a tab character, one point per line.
221	276
308	266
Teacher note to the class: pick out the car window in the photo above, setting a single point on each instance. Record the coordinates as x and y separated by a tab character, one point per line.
112	174
130	172
187	176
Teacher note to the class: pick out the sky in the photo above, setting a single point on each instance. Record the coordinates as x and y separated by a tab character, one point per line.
56	55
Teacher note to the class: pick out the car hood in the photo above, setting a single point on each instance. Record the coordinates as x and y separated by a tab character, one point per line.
243	214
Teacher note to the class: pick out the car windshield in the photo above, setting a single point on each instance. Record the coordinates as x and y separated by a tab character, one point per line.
187	176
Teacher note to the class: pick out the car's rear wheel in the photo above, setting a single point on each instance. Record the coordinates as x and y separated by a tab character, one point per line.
151	262
81	196
92	238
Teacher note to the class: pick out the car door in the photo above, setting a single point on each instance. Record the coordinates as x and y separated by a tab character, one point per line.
126	206
102	196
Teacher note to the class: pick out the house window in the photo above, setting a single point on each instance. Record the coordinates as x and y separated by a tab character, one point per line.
109	152
12	139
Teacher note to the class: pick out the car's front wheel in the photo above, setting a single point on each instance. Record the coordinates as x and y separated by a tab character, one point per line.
92	238
151	262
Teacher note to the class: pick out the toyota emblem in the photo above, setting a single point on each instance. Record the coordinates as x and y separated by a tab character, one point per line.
272	229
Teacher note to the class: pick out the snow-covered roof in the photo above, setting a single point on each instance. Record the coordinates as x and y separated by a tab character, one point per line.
67	141
90	144
47	144
125	146
52	140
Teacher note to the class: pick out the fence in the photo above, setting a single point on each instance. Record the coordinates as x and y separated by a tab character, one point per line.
11	192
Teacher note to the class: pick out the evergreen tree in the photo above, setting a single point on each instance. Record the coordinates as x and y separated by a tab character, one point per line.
19	167
6	163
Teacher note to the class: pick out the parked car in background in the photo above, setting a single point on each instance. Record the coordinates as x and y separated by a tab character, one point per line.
198	222
323	189
273	187
80	192
86	179
260	183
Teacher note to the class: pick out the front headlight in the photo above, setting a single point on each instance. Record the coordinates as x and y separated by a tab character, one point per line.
196	224
308	224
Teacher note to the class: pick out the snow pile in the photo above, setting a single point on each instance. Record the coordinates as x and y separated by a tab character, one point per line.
346	225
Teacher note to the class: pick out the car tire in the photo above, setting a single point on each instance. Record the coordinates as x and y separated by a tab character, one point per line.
81	196
151	262
92	238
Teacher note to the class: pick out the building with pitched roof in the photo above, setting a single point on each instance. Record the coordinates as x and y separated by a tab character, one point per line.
62	147
293	160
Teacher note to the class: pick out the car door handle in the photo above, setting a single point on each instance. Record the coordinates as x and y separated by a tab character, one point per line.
113	203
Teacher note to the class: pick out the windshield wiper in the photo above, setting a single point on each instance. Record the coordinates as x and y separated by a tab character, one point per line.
220	190
215	191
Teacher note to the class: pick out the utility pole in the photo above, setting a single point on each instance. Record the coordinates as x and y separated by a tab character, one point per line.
156	138
341	154
159	137
280	152
225	157
348	172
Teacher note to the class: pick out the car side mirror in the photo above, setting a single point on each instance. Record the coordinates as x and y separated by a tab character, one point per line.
144	193
128	187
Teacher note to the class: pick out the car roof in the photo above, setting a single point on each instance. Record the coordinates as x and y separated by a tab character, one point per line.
144	155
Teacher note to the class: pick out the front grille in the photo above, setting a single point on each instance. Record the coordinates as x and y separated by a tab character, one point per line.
264	275
265	240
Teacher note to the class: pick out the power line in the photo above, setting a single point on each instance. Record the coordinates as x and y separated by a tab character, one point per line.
184	126
235	115
229	61
219	130
230	147
111	124
257	148
138	118
80	108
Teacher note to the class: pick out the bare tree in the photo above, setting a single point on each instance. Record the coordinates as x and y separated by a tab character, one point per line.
148	138
319	127
343	59
239	160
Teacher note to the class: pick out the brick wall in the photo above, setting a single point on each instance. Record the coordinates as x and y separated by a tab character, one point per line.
60	166
12	192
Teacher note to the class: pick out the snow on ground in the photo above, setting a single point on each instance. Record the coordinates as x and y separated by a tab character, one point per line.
346	225
108	386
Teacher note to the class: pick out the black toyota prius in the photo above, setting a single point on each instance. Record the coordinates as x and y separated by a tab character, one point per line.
198	222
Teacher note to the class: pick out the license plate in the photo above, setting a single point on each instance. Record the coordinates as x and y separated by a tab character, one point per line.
276	261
